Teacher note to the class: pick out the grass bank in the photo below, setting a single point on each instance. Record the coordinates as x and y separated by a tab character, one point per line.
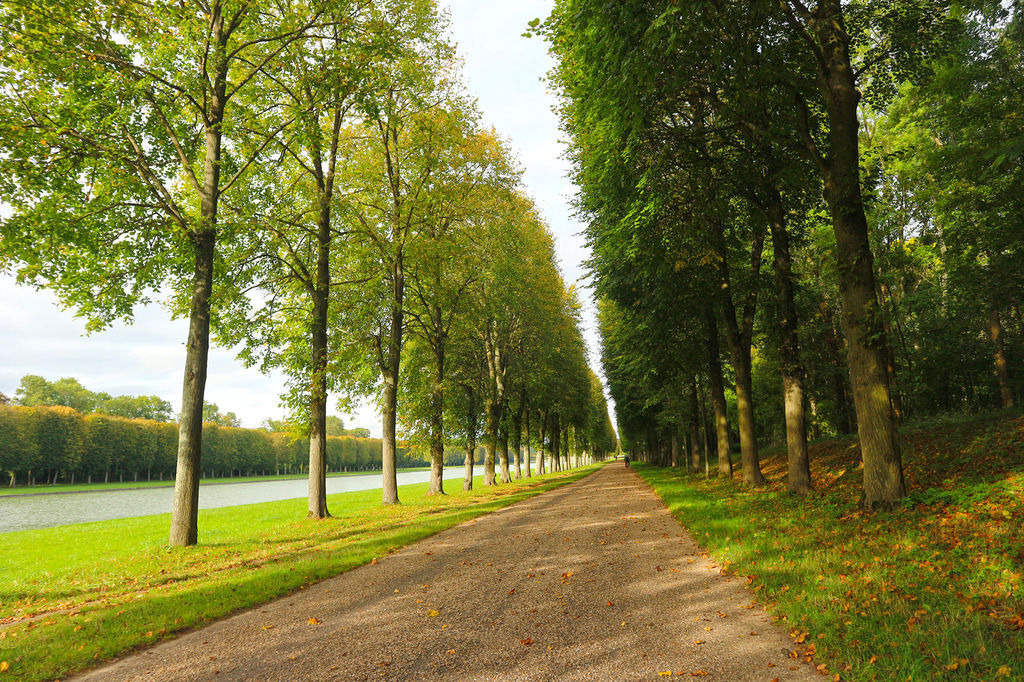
930	591
45	489
74	596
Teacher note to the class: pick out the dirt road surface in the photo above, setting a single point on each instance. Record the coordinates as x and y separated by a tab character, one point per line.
592	581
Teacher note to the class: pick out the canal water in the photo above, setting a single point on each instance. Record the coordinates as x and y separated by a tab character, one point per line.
22	512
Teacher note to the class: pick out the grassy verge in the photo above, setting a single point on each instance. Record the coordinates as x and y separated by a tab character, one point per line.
131	485
73	596
931	591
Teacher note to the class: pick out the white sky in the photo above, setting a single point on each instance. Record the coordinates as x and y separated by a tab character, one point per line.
502	69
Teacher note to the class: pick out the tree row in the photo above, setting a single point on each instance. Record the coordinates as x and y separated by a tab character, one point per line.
308	182
804	218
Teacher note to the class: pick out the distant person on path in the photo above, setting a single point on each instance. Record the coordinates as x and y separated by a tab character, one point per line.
626	459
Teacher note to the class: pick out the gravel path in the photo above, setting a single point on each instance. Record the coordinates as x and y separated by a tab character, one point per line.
592	581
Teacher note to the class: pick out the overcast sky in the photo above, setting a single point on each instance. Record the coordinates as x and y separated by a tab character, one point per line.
502	69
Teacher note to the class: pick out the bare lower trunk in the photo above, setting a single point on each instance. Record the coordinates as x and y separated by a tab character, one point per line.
491	441
437	424
694	420
529	455
467	482
718	398
789	351
185	511
389	404
517	434
675	447
503	454
556	441
318	393
865	335
541	468
1001	366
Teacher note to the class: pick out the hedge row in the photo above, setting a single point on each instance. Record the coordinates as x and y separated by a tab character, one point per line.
61	444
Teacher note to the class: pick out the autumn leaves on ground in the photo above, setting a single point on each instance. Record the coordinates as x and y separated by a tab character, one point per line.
932	590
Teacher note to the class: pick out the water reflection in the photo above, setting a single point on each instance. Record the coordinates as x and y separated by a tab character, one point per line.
22	512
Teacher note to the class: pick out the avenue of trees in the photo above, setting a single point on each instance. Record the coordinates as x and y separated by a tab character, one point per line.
805	218
306	181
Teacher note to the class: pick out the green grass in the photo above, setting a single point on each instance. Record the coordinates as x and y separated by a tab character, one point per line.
73	596
934	590
131	485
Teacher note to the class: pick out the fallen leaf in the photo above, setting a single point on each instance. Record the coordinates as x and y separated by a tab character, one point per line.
374	562
4	666
451	651
1004	671
700	673
526	642
314	621
872	659
699	641
267	627
666	673
433	613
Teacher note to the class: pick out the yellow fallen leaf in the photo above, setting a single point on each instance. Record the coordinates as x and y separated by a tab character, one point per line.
433	613
4	666
1004	671
451	651
667	673
700	673
314	621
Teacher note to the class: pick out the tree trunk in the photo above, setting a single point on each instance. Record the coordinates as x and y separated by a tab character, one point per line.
184	529
1001	365
865	335
694	420
528	453
789	350
491	440
517	434
437	422
541	468
503	453
318	392
389	406
675	447
185	511
718	397
467	481
833	347
556	441
739	337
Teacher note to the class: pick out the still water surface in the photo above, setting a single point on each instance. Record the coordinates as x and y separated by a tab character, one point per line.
22	512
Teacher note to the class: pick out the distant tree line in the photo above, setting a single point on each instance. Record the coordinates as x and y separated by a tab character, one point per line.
49	444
